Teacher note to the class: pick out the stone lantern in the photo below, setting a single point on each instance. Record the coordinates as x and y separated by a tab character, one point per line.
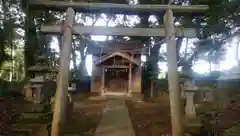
190	89
34	88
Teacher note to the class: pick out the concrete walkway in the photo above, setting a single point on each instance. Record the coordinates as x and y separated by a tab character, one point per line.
115	120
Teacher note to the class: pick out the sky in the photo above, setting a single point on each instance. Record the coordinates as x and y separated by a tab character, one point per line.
201	66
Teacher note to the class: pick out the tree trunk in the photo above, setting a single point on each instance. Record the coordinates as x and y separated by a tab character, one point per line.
31	43
178	45
82	65
210	66
8	35
237	52
60	42
74	56
186	49
2	47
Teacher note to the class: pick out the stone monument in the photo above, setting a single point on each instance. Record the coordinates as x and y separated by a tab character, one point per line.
34	90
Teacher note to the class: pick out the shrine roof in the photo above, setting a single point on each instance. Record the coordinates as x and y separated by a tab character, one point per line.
123	55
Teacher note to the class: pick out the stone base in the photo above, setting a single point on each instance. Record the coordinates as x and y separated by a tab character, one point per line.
94	93
192	125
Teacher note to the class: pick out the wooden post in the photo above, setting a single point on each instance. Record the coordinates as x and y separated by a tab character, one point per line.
173	79
130	79
151	90
103	81
62	82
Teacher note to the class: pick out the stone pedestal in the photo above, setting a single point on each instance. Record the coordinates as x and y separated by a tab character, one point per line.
27	92
190	109
192	122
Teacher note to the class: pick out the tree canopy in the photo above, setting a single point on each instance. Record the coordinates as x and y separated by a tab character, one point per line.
20	38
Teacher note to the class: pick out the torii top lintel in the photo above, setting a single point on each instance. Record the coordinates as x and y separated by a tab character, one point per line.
115	8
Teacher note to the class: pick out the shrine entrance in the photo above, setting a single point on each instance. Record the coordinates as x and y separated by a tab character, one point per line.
116	80
116	76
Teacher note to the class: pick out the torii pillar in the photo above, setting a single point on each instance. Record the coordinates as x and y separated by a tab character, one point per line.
59	114
173	77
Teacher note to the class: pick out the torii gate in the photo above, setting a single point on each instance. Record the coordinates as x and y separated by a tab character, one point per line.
69	28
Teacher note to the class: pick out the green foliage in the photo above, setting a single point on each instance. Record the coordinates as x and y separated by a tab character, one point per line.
11	51
221	18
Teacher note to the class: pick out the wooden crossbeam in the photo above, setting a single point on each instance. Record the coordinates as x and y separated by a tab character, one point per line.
114	8
121	31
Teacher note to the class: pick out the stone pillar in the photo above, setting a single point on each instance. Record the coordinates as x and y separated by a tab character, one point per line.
28	94
173	79
103	82
190	109
63	76
130	79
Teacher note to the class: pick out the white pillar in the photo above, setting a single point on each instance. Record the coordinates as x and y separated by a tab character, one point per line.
173	79
190	109
63	76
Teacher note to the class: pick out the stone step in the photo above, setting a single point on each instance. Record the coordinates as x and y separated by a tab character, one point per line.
20	133
36	116
44	119
30	129
71	135
37	108
25	129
